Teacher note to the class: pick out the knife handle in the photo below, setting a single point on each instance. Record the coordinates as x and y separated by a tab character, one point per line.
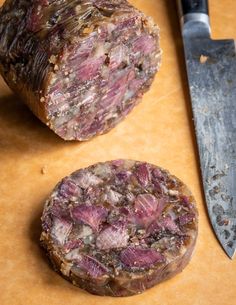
193	6
195	13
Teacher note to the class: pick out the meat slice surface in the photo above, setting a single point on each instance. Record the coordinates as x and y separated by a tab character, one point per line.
80	65
126	226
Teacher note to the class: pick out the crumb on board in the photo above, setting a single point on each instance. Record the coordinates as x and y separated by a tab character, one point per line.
203	59
44	170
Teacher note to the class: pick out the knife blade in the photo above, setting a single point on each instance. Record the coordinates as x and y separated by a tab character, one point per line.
211	71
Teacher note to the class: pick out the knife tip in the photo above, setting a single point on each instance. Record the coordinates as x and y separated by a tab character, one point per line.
230	252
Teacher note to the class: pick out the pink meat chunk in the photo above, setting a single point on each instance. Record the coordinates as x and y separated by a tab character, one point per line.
92	267
112	237
90	215
140	258
147	208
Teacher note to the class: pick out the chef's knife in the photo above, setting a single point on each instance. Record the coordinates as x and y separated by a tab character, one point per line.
211	69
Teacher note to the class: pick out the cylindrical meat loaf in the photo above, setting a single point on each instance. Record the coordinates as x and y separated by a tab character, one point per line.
119	227
80	65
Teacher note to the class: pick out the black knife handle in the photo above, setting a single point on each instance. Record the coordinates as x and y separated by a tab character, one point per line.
193	6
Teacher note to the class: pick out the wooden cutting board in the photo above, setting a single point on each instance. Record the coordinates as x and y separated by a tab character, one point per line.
159	130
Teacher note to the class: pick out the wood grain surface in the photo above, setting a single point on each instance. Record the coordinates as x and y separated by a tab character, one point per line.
159	130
